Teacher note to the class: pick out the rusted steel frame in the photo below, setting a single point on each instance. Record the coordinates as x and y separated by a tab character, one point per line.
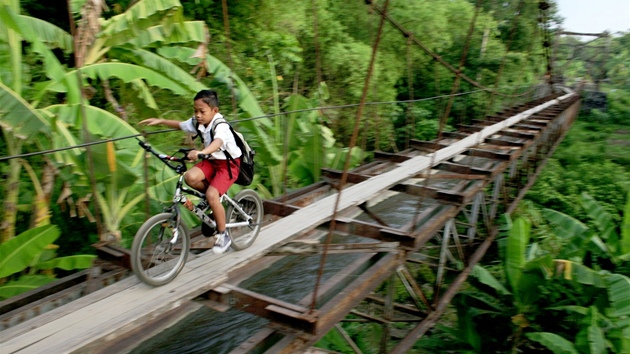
304	196
364	207
301	248
526	126
483	122
429	146
413	289
429	228
516	134
406	309
391	157
496	190
407	343
278	209
475	152
539	168
351	177
373	231
458	245
442	261
347	338
297	317
535	123
421	329
462	169
364	318
455	135
336	308
388	313
501	142
450	176
336	284
429	192
474	213
113	254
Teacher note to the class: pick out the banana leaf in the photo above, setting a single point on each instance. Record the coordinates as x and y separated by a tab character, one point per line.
603	221
17	253
619	294
68	263
553	342
24	284
138	18
18	117
590	338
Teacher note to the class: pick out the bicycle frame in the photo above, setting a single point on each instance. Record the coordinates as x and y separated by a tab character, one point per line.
179	197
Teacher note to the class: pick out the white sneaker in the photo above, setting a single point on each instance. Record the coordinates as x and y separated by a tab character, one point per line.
222	244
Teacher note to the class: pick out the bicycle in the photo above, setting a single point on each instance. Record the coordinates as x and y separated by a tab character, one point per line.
161	246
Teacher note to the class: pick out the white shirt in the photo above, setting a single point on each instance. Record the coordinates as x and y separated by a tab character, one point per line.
221	131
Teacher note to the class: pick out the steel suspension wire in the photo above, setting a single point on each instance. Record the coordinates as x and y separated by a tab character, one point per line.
228	48
353	140
447	109
411	121
519	10
325	108
543	6
438	58
318	60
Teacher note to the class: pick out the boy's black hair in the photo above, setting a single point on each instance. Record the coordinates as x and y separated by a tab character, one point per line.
210	97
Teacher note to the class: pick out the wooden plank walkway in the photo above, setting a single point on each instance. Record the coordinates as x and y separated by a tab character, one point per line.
100	317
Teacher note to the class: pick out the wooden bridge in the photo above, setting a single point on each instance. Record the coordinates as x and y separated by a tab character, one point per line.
488	165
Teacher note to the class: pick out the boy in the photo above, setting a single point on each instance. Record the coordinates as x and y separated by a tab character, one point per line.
212	175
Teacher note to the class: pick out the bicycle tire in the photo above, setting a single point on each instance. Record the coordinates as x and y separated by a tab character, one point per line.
154	260
243	237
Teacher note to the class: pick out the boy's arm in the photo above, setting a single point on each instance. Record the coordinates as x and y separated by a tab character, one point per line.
159	121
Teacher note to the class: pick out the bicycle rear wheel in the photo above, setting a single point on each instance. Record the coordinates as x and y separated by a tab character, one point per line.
243	236
155	259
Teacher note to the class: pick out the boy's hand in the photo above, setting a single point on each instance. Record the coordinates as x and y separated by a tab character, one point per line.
193	155
151	121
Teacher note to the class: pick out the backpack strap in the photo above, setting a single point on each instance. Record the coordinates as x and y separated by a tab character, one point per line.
227	154
199	134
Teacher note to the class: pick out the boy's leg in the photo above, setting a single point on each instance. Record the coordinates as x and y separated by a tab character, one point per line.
196	179
213	197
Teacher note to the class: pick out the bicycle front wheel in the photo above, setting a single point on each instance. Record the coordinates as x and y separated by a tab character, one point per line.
243	236
160	249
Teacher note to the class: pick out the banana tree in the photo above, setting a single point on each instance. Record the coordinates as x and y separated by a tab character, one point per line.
28	259
604	325
100	56
602	239
501	309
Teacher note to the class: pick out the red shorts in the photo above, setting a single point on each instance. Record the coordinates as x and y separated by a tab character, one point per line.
217	175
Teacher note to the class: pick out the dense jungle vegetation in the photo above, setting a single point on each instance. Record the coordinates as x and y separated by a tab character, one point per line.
67	80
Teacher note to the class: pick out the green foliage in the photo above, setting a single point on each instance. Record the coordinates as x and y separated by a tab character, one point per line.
18	253
553	342
31	251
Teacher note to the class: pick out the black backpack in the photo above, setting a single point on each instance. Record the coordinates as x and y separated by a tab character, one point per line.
246	168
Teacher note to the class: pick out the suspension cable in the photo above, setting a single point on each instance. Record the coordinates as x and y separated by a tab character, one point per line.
353	140
438	58
325	108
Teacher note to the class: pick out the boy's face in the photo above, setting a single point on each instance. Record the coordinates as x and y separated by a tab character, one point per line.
204	112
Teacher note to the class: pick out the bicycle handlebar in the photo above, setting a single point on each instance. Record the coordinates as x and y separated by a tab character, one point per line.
166	158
